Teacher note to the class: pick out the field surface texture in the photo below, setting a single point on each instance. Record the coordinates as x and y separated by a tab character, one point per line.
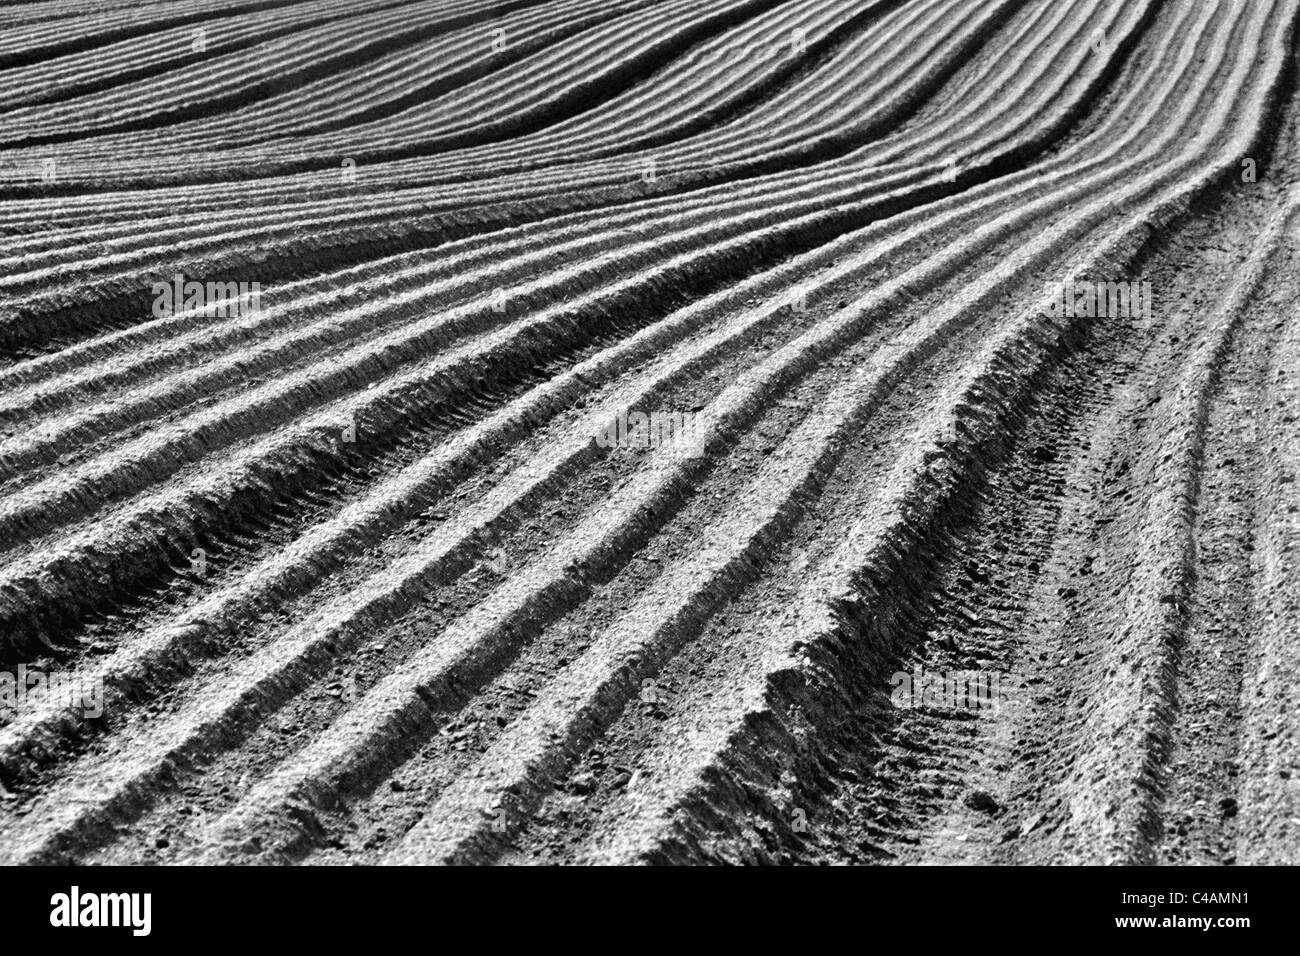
649	431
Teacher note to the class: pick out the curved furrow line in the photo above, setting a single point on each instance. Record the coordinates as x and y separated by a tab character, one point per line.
374	92
717	241
225	241
94	557
496	107
1270	706
372	325
591	132
99	477
73	74
421	485
475	163
581	447
472	816
806	225
470	819
154	456
822	258
826	344
665	103
831	254
809	187
601	48
220	82
704	72
801	667
151	348
651	99
75	32
1117	779
257	341
749	132
322	207
404	700
364	576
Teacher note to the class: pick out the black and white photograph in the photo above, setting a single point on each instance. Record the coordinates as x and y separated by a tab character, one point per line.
605	433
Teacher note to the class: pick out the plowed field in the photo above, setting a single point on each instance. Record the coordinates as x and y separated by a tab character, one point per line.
671	431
